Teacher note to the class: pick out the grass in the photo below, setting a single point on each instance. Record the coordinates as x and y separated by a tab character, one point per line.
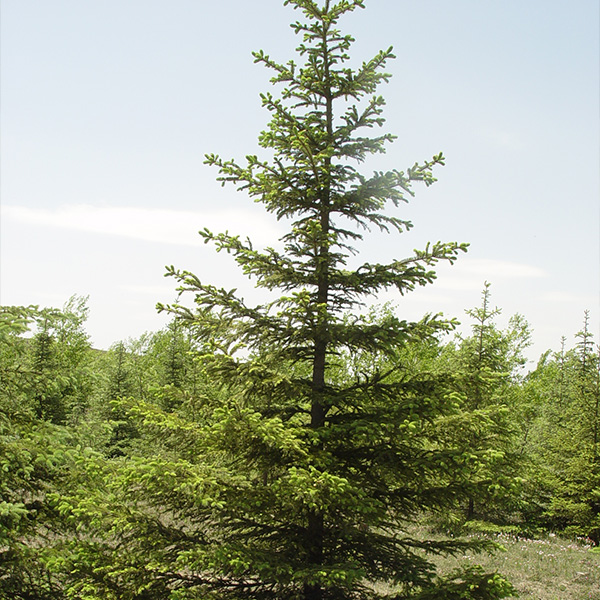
551	568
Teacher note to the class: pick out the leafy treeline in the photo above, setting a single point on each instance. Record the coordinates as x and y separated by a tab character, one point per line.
120	468
282	451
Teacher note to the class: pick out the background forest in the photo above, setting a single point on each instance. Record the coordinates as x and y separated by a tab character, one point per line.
85	434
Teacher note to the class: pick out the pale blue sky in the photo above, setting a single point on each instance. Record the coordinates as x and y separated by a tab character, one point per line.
108	108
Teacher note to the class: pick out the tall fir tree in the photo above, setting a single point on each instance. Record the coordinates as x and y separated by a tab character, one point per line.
296	482
351	478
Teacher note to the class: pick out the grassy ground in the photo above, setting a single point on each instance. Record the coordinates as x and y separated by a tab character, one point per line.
543	569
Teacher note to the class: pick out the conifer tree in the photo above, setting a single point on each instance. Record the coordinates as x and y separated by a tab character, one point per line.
296	482
485	368
60	382
344	475
564	446
32	445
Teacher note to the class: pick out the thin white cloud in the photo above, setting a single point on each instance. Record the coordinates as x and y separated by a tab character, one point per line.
459	286
471	273
565	297
149	224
